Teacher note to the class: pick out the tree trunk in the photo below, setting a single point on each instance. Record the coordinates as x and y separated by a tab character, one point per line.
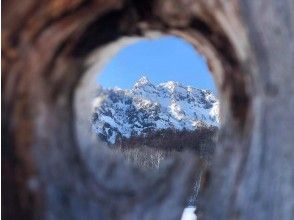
49	173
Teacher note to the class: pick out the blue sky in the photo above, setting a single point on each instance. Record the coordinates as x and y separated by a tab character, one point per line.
163	59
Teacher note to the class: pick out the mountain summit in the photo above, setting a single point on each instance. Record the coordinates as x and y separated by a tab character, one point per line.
142	81
146	108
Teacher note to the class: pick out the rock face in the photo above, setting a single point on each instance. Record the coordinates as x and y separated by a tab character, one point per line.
149	108
48	173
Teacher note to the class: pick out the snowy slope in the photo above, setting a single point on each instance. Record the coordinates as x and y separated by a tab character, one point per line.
147	107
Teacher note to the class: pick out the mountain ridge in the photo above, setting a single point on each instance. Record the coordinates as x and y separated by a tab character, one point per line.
124	113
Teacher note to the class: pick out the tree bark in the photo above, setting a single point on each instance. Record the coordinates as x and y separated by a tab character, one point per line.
49	174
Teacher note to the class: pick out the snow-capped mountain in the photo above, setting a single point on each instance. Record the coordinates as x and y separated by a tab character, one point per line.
123	113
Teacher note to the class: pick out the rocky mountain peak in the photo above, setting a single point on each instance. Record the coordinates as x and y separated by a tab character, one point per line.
142	82
170	85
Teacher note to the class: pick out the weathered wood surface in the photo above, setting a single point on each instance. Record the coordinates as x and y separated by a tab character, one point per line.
250	49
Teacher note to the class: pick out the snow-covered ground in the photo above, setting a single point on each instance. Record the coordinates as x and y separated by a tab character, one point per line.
188	213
